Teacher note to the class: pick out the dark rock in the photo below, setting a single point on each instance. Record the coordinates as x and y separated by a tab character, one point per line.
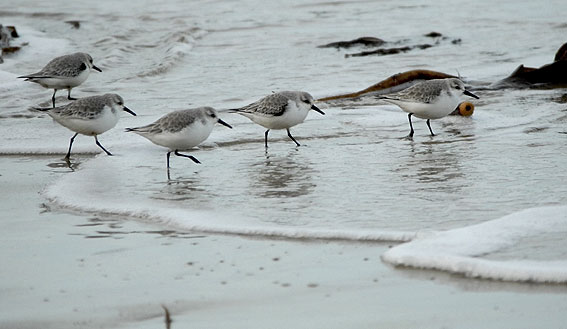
74	24
5	36
7	33
553	75
433	35
13	31
8	50
550	75
561	99
561	54
364	41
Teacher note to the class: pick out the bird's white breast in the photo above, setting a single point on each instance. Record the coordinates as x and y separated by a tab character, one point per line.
184	139
443	105
95	126
292	116
64	82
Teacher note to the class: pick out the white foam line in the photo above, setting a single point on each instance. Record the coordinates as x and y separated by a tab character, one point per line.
460	250
76	197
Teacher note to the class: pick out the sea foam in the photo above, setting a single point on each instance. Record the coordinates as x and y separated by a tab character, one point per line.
109	186
464	250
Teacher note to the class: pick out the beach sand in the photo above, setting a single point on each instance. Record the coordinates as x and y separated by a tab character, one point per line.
64	270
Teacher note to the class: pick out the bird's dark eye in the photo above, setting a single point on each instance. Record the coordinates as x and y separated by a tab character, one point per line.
82	67
120	103
306	101
457	87
213	115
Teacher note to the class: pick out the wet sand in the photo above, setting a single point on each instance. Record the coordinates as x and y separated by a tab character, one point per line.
64	270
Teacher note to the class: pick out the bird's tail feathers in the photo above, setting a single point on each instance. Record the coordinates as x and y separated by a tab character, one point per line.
41	109
142	131
388	97
34	77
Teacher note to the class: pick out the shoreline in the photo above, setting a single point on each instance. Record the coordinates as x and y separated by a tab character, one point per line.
94	272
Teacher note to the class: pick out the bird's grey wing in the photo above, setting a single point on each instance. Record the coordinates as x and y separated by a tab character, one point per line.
176	121
172	122
273	105
418	93
80	109
61	67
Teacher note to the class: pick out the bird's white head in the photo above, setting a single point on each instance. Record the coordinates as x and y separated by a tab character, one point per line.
211	115
88	60
304	100
457	88
115	102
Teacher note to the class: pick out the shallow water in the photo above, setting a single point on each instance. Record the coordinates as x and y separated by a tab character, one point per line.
354	171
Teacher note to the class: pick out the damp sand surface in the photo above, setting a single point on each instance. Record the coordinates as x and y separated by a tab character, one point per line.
62	270
301	237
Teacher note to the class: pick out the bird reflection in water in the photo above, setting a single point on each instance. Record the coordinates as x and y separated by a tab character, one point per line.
434	166
66	164
282	176
189	188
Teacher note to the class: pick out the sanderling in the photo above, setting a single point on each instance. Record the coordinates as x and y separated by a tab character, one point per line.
64	72
89	116
430	99
181	130
281	110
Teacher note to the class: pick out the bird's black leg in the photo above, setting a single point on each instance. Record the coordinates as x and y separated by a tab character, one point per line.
167	157
69	95
410	125
70	144
187	156
266	138
53	97
429	125
290	136
97	143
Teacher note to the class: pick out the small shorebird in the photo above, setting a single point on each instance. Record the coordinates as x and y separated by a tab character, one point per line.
281	110
64	72
89	116
181	130
430	99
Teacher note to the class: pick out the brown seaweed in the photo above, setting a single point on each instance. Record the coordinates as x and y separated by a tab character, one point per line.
363	41
389	51
394	80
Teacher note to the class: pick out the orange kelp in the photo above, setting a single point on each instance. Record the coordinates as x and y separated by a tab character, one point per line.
394	80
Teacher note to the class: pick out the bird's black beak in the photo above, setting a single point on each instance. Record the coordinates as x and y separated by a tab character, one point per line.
315	108
96	68
129	111
468	93
224	124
